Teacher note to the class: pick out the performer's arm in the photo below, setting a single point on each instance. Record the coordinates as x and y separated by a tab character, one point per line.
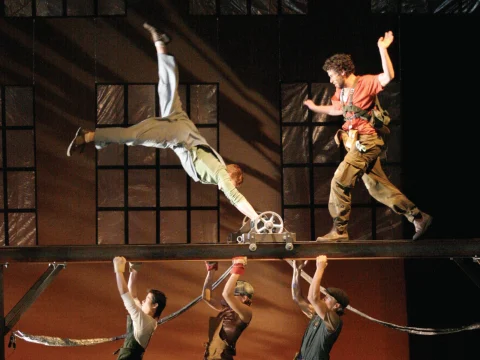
314	291
131	305
246	209
323	109
132	280
243	311
236	198
388	71
119	268
212	266
297	295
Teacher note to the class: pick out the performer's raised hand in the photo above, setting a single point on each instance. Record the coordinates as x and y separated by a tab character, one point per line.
211	265
386	40
119	264
239	263
134	266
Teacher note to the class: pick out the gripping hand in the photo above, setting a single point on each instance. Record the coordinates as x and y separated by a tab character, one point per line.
134	266
119	264
211	265
239	264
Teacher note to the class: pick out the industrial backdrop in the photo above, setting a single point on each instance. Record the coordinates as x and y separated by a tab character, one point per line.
246	66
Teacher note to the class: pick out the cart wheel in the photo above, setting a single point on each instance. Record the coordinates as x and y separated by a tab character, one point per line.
246	219
269	222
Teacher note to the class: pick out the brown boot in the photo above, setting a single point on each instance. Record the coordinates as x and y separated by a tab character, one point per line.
421	225
333	235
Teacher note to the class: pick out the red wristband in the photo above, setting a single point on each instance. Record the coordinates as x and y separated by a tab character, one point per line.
238	269
211	265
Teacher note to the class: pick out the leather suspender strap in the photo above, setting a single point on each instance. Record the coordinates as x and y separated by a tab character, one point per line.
350	96
350	107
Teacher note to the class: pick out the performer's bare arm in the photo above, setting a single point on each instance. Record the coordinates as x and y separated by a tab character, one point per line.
207	286
119	268
314	295
297	295
388	71
236	302
323	109
132	280
243	311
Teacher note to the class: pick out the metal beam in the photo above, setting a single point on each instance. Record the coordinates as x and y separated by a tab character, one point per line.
32	294
364	249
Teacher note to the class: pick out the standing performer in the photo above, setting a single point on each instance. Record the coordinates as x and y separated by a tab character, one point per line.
174	130
142	316
355	98
325	313
234	312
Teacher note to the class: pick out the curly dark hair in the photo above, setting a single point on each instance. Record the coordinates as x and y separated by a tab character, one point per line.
160	299
339	63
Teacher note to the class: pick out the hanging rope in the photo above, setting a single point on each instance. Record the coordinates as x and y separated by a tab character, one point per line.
196	300
56	341
409	329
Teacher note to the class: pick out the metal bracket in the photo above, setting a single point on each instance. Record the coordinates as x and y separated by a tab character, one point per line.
267	228
32	294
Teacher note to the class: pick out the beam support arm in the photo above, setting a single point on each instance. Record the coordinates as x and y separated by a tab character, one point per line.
32	294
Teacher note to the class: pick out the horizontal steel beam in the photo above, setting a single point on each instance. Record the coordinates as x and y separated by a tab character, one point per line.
364	249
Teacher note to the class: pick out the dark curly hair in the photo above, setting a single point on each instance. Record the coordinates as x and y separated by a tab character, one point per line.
339	63
160	299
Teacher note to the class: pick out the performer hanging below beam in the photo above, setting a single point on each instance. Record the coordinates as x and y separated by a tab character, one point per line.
234	312
324	312
142	316
174	130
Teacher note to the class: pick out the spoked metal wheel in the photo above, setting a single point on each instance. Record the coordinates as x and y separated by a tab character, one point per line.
268	222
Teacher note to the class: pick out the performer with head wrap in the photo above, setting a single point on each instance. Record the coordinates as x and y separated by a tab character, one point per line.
234	312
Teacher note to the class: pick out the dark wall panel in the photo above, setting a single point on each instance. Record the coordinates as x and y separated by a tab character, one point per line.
306	42
65	100
248	56
16	55
248	45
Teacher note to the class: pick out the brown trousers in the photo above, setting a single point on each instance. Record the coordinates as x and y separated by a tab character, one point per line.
365	164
